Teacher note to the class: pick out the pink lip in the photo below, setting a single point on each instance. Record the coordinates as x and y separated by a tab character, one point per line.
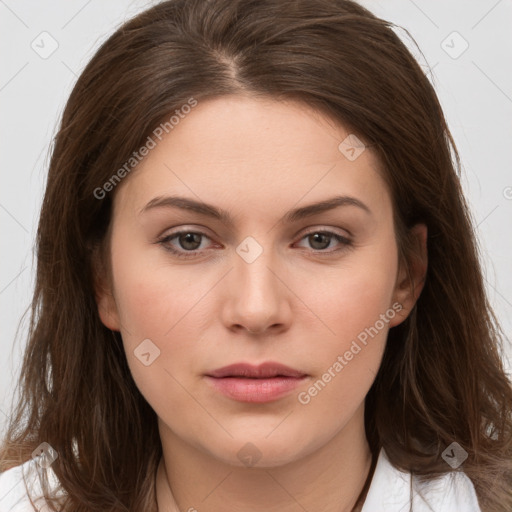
264	370
247	383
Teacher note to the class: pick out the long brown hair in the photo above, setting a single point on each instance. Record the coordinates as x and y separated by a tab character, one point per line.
442	377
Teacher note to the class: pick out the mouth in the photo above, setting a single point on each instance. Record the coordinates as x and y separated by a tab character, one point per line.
257	384
263	371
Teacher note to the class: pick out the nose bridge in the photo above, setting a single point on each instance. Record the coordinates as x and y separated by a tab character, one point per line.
259	298
252	268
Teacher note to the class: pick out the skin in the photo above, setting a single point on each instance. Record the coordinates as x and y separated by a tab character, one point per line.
256	159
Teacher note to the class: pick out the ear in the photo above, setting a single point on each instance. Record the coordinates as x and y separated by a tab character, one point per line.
408	288
103	289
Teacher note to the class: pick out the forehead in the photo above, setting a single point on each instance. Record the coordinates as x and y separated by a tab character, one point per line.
258	153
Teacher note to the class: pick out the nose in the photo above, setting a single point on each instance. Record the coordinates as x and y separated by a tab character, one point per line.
259	299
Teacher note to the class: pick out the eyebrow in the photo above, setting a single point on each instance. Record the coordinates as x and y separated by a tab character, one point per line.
224	216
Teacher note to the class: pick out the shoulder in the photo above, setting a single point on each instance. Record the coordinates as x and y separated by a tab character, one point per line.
16	484
390	491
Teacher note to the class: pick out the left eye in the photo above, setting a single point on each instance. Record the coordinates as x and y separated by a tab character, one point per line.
190	242
186	239
319	237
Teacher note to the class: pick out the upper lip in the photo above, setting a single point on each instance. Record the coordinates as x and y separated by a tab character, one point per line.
264	370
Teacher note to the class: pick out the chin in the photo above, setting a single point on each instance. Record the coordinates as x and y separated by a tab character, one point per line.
260	451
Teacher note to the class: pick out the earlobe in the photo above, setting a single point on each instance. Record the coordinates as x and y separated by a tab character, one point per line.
107	307
409	287
107	310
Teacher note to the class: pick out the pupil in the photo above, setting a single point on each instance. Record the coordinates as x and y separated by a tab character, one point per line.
315	239
189	238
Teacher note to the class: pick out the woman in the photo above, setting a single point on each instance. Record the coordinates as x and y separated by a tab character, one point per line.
324	344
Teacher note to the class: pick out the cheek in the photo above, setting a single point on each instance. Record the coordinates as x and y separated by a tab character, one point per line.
152	309
155	302
344	365
354	305
352	296
157	308
151	295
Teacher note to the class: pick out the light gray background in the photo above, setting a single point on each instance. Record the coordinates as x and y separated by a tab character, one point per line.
475	90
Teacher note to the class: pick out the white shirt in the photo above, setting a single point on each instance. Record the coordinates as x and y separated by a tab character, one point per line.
389	490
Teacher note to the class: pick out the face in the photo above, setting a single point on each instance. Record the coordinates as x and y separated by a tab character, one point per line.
193	292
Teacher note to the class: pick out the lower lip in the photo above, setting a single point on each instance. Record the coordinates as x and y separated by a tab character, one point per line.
255	390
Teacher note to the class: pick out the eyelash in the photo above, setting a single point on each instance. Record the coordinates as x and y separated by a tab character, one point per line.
164	242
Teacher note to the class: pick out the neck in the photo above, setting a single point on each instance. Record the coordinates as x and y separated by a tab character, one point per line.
331	478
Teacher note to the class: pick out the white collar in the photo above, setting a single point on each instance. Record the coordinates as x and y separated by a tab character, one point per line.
390	491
